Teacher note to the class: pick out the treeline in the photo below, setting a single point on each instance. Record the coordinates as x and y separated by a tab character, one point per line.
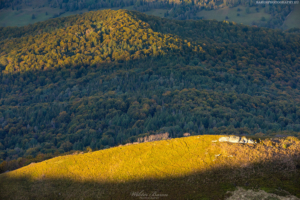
9	3
110	77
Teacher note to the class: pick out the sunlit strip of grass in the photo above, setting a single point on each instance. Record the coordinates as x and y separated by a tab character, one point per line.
156	160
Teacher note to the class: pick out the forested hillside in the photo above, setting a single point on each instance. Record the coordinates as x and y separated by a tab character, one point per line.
109	77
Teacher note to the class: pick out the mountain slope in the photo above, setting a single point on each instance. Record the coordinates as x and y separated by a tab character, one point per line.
109	77
182	168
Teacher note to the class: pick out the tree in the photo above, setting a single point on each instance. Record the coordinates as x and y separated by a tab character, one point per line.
63	117
66	146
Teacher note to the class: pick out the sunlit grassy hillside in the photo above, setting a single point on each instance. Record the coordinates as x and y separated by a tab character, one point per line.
182	168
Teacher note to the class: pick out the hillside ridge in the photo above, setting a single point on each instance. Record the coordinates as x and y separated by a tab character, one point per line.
195	160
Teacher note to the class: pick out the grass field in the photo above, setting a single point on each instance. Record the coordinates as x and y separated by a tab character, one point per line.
183	168
23	17
293	19
66	14
244	18
128	8
157	12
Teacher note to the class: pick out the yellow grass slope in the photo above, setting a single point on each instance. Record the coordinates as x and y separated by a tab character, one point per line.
152	159
182	168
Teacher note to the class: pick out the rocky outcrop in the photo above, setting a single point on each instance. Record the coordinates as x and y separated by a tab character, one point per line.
241	193
236	139
244	140
150	138
224	139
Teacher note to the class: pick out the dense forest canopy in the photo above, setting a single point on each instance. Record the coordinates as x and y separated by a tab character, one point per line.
105	78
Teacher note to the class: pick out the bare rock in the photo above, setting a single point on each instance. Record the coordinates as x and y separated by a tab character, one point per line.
224	139
234	139
243	140
250	141
241	193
